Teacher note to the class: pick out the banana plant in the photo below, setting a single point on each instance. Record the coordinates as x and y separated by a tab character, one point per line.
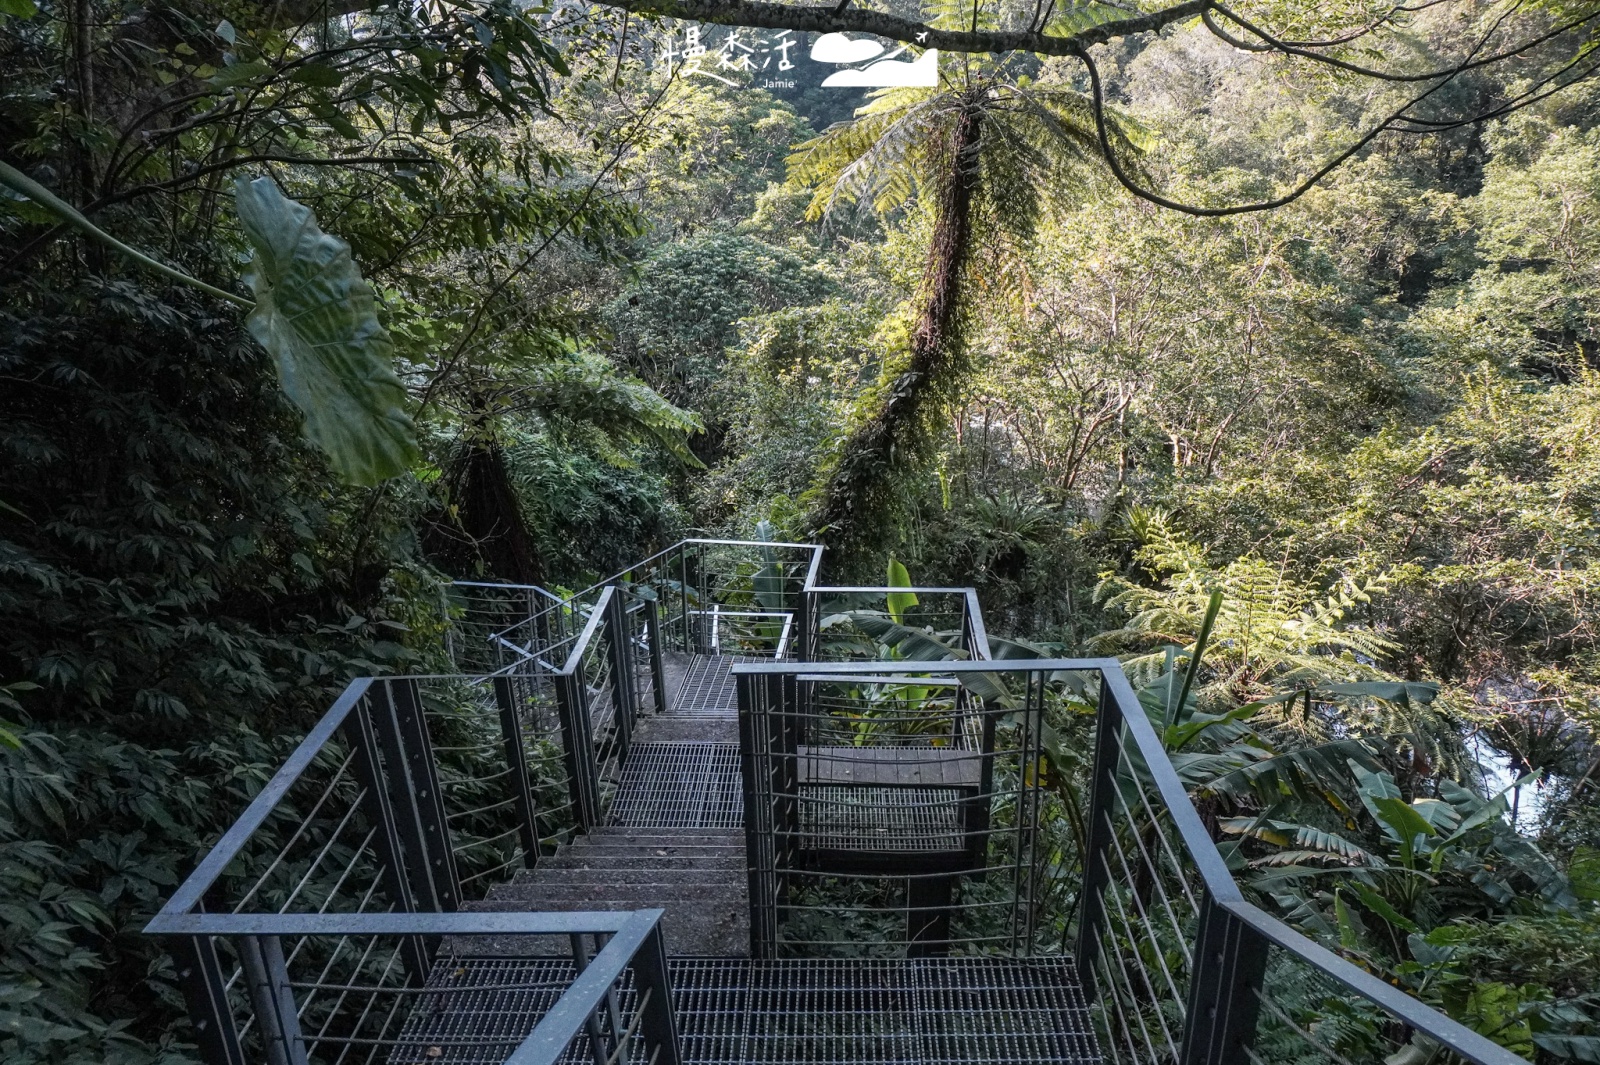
313	313
1421	863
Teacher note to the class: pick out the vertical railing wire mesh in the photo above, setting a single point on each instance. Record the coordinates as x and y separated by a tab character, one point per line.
898	813
321	927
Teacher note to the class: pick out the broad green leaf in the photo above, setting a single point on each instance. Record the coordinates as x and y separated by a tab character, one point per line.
1584	1048
1406	823
317	317
1381	906
19	8
768	581
899	602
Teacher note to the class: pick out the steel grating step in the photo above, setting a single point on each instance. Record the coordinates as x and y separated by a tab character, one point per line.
708	688
931	1011
881	819
680	785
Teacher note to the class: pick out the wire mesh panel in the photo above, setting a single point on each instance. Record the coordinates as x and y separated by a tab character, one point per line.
901	812
479	610
478	1011
357	996
1148	898
707	688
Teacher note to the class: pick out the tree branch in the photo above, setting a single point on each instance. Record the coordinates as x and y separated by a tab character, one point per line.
837	18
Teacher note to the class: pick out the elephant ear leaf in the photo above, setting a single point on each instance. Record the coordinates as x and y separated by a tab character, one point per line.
316	316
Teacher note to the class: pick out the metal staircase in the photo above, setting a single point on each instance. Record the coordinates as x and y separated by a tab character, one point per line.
713	811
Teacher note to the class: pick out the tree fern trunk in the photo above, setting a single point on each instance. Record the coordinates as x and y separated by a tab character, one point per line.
851	514
490	528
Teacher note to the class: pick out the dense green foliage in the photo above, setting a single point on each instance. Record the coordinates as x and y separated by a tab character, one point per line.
1370	419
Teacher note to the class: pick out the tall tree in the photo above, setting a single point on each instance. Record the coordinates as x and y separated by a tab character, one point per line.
983	155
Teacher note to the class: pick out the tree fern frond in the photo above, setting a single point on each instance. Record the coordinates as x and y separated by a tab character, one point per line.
1071	18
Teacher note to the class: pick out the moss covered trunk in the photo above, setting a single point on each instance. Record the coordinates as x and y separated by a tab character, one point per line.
850	515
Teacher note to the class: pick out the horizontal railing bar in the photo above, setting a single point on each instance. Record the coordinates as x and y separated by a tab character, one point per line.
507	584
1413	1011
190	892
918	589
577	922
925	682
616	578
957	665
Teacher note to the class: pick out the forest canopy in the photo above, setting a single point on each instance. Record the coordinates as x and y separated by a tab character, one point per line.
1285	307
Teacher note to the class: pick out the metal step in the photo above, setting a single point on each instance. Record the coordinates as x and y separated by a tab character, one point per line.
610	874
846	1011
602	840
723	858
693	786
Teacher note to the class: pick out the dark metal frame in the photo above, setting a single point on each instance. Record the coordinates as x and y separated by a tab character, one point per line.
380	721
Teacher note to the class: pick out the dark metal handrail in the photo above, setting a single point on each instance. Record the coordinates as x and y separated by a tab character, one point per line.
1232	935
634	941
357	839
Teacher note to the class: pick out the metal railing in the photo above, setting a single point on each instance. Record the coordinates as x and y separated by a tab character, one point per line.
1094	849
737	597
905	794
323	926
855	622
480	609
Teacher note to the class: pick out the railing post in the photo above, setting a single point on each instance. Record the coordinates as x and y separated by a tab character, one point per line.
267	979
660	1022
358	731
683	598
572	702
1224	988
623	704
1096	867
414	795
658	671
802	642
505	698
200	976
407	698
758	699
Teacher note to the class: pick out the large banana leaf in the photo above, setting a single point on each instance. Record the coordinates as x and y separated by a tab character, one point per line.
315	314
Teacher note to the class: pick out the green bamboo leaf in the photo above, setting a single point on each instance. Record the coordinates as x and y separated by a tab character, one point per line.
317	317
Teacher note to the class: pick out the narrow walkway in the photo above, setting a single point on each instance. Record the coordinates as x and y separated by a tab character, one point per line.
675	839
674	836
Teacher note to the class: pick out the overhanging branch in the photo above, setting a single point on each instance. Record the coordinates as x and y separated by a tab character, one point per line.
838	18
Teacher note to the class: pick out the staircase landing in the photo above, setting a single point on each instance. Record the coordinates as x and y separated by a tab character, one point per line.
927	1011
